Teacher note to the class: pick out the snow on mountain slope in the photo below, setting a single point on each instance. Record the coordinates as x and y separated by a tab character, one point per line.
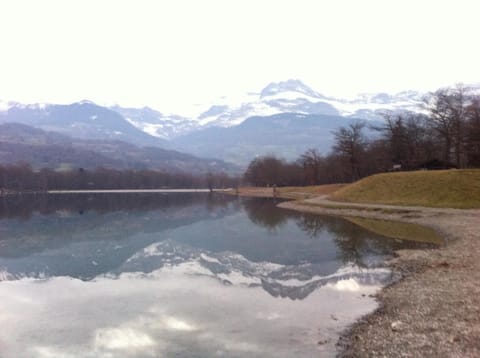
291	96
156	123
4	106
371	105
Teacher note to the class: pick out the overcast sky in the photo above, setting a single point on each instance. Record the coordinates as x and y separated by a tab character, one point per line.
170	54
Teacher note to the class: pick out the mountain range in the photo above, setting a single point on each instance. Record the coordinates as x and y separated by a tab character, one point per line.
46	149
291	96
284	118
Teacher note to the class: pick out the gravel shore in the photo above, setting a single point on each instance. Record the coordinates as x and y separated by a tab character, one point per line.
434	310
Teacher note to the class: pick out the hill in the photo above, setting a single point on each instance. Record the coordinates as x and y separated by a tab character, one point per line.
84	120
444	188
287	135
19	142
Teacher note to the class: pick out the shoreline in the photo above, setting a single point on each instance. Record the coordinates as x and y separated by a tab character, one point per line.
114	191
434	309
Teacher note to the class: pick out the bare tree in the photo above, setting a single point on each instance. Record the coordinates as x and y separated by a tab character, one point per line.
447	108
473	133
271	171
406	139
264	171
350	144
311	162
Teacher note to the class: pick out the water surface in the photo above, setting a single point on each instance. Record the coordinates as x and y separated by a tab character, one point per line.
180	275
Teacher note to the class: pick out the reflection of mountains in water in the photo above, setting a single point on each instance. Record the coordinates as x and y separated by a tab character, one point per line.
90	235
286	281
85	245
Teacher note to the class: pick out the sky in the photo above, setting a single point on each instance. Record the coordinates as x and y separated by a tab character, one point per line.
171	55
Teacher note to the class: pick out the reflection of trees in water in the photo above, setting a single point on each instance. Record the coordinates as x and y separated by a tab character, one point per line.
264	212
312	225
353	241
24	205
102	217
215	201
350	239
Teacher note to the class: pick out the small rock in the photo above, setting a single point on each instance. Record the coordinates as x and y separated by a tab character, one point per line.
397	326
324	341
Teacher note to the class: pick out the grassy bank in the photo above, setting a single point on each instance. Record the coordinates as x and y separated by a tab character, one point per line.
445	188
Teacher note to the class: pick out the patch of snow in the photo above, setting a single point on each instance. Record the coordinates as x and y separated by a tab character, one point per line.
292	95
346	285
5	275
207	258
188	268
4	106
237	278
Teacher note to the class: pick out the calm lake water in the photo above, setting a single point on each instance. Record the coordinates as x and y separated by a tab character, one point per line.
179	275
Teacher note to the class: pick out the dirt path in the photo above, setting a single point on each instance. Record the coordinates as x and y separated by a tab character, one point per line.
434	311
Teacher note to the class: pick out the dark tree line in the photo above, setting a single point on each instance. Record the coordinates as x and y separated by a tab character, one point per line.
445	134
21	177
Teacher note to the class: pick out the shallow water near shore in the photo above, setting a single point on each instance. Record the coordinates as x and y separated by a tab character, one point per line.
180	274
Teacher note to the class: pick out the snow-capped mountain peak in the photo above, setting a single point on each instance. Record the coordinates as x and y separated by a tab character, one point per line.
288	87
290	96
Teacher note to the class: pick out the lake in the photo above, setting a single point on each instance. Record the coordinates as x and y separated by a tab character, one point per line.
180	275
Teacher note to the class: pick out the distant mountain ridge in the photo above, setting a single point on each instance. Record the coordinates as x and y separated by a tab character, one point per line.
284	118
84	120
42	149
88	120
291	96
286	135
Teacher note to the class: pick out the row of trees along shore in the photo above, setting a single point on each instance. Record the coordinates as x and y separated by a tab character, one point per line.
21	177
445	133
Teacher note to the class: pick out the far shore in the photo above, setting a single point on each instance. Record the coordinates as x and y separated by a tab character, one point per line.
434	310
116	191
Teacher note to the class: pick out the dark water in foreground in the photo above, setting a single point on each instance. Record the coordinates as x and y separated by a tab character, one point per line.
179	275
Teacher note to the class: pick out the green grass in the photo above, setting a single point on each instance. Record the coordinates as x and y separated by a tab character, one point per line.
444	188
398	230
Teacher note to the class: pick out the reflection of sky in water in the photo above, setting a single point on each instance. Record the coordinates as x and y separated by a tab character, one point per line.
182	276
168	313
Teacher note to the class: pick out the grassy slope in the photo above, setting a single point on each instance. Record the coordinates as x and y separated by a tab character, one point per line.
444	188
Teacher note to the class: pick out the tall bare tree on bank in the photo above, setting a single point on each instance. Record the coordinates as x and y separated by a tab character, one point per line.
447	108
406	139
473	133
350	144
311	162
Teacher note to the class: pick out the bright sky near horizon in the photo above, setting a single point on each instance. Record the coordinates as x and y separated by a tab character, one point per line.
170	54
